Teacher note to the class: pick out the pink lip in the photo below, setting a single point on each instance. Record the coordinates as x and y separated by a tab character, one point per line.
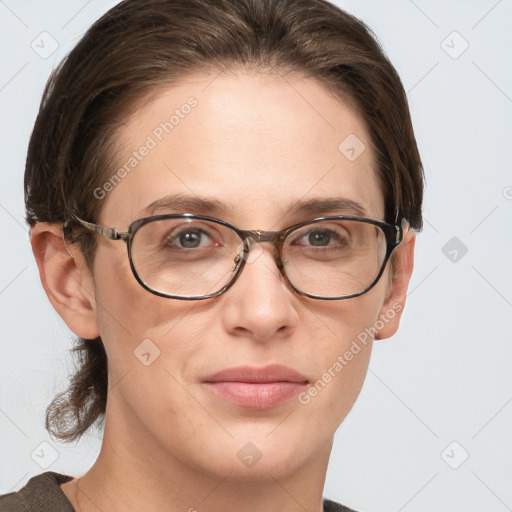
256	388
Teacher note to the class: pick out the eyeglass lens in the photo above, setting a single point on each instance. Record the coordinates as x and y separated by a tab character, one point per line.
189	257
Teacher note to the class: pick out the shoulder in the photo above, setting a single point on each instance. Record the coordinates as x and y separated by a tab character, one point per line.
332	506
42	493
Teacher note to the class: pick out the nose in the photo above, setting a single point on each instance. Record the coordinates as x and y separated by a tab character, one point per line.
260	305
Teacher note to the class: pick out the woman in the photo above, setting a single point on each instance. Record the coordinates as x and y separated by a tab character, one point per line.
257	159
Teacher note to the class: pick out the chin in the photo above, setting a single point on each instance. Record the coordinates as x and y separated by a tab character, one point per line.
253	456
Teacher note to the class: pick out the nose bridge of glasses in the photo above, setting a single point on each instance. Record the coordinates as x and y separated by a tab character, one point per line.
253	238
264	236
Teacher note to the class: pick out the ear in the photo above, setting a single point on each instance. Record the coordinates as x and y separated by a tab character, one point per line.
66	279
401	268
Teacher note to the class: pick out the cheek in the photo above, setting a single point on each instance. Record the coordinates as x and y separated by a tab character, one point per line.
346	320
151	343
342	355
134	322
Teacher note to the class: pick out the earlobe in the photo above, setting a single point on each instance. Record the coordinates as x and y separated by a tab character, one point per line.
66	279
394	303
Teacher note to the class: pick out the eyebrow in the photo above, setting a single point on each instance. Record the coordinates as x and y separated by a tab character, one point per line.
183	203
323	205
195	204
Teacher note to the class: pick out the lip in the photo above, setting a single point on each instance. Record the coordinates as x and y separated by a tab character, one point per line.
256	388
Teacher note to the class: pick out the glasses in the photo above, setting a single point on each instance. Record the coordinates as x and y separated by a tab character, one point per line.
194	257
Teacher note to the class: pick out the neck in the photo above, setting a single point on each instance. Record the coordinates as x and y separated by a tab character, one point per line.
134	472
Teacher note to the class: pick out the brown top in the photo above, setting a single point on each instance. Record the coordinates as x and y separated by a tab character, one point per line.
42	493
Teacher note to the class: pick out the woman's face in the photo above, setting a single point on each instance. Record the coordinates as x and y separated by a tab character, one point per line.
254	146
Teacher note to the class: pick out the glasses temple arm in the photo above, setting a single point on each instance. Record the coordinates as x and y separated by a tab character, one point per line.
108	233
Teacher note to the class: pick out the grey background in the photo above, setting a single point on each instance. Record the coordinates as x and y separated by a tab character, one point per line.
437	392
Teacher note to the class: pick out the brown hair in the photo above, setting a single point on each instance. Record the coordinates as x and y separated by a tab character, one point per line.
140	45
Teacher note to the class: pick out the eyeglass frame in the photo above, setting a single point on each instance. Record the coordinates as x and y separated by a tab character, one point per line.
393	235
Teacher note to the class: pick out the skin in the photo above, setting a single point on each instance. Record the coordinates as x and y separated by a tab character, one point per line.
256	143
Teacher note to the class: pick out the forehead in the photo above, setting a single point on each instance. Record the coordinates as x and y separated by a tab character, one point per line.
253	143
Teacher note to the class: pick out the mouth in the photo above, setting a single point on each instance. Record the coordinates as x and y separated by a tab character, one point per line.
256	388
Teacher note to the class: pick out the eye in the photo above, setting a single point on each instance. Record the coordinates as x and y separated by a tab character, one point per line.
323	237
318	238
190	237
